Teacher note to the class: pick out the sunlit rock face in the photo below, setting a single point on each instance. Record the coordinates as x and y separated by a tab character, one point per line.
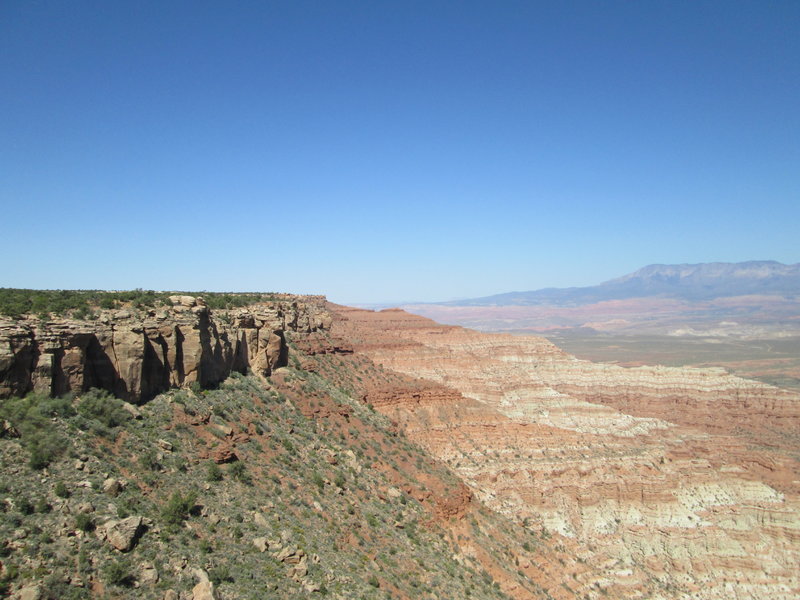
669	482
136	354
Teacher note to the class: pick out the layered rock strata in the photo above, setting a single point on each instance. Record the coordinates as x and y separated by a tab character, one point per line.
137	354
671	483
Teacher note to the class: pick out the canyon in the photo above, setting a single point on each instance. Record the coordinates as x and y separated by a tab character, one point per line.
553	476
674	482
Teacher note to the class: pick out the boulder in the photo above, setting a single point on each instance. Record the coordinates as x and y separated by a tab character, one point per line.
261	544
112	486
7	430
187	301
224	454
148	575
122	534
299	570
30	592
311	587
203	591
260	519
225	430
84	508
132	410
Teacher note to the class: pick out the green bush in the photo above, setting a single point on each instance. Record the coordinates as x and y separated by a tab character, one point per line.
149	460
220	574
239	472
101	406
213	472
118	573
56	407
31	416
178	508
61	490
84	522
25	506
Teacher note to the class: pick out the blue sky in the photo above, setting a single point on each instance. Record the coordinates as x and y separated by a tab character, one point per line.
393	151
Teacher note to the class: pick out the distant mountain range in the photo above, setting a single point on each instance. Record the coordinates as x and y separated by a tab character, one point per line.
755	299
704	281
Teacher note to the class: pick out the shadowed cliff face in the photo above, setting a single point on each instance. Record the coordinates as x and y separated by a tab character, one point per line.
672	482
137	355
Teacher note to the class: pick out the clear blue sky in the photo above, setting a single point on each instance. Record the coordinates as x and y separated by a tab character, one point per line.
390	151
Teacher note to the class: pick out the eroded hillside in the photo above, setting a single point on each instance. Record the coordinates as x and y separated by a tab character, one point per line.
673	482
280	483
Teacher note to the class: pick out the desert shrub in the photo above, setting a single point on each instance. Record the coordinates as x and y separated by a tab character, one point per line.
220	574
108	303
61	490
118	573
213	472
149	460
239	472
17	302
25	506
56	587
178	508
56	407
45	449
101	406
31	416
84	522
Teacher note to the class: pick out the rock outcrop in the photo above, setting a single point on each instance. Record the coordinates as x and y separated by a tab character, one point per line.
671	482
122	534
138	354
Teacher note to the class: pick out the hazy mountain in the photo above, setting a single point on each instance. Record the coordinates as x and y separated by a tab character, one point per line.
702	281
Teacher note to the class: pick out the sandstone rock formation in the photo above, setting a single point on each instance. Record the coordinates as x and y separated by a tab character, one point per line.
671	483
138	354
121	534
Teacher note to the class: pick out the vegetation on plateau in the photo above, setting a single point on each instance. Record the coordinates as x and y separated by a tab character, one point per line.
83	304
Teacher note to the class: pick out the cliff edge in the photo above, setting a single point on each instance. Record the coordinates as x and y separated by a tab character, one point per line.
138	353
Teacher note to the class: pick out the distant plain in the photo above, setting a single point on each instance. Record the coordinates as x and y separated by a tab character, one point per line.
775	361
744	317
